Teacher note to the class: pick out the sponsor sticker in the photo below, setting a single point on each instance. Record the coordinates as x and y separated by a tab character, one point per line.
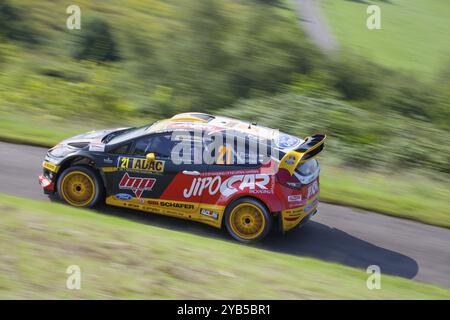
287	141
136	184
310	206
50	166
295	198
313	188
178	205
141	165
227	187
209	213
97	147
123	196
290	160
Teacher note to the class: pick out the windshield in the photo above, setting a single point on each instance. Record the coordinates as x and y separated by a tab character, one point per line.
127	135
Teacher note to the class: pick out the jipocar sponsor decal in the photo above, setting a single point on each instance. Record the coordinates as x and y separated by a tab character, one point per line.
140	165
136	184
227	187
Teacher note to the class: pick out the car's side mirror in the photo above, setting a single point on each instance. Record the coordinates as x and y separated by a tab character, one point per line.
150	157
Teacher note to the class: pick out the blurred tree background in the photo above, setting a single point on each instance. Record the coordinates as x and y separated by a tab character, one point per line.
134	62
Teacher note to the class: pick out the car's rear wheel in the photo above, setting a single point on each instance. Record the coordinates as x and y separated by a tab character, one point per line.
80	186
247	220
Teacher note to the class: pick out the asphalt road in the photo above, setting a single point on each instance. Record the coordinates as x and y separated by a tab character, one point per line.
337	234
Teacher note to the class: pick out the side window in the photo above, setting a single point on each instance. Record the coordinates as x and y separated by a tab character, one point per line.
247	152
162	145
142	146
121	149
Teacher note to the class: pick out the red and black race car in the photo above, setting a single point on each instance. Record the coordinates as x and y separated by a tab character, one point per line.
215	170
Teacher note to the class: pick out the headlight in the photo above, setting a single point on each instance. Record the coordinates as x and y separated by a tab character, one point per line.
60	151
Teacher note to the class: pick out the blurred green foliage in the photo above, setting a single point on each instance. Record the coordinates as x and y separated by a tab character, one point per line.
362	138
96	43
13	23
246	59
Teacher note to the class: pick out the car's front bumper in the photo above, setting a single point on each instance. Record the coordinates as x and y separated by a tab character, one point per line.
48	186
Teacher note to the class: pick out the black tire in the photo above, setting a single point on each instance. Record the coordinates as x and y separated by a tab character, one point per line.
54	197
237	223
89	190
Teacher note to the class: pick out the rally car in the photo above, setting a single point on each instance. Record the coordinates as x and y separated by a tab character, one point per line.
195	166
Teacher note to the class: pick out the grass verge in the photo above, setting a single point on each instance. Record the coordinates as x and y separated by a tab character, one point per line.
414	35
124	259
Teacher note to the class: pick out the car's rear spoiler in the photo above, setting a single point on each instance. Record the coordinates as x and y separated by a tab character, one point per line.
308	150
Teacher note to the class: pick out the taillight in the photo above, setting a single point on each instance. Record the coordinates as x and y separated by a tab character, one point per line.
304	174
285	179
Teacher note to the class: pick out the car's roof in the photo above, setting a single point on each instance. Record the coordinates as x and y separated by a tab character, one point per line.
210	124
196	121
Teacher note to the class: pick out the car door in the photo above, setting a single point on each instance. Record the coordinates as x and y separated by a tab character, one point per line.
156	185
183	172
192	184
137	177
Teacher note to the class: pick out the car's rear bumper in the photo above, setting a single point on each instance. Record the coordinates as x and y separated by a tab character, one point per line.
47	185
292	218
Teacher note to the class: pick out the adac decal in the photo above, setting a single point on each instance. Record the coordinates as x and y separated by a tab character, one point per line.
212	185
136	184
123	196
141	165
209	213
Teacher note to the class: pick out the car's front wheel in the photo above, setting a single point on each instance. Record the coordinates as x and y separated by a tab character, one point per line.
80	186
247	220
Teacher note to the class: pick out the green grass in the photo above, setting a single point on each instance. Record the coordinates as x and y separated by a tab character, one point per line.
124	259
46	130
22	129
415	34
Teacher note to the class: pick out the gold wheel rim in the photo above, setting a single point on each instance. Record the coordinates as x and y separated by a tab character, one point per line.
247	221
78	189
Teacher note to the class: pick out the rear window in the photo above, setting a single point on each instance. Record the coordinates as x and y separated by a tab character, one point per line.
205	117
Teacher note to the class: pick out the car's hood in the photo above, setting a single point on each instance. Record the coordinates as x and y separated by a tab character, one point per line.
91	140
95	136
